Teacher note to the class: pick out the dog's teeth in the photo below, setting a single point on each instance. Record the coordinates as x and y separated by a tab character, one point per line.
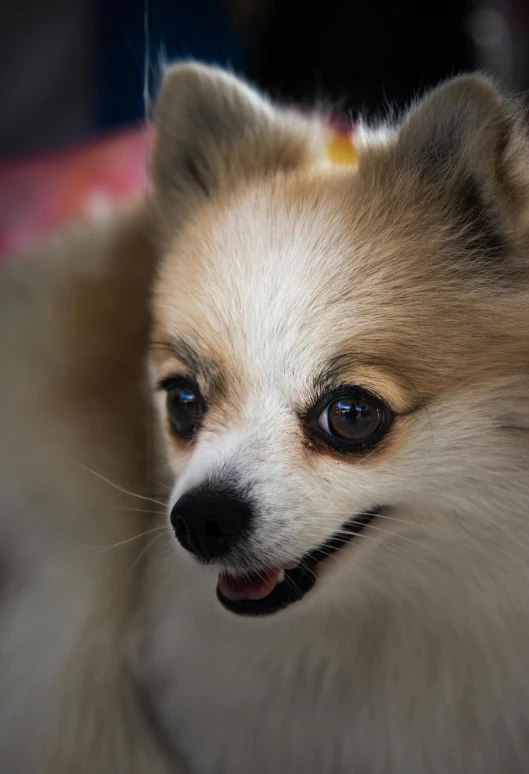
281	576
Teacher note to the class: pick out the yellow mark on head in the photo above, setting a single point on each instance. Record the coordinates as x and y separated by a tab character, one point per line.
341	150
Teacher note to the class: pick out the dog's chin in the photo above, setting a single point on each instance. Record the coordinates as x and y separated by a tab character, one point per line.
271	589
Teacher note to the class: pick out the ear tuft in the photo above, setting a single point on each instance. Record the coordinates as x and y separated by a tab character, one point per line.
212	130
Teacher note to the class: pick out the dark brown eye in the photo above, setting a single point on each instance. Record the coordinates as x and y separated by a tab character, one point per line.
185	406
354	419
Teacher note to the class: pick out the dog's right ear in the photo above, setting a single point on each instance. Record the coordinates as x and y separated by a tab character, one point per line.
212	130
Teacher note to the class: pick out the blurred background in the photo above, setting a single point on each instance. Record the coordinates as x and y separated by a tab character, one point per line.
72	71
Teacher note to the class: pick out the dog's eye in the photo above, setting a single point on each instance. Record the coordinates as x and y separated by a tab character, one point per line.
355	420
185	406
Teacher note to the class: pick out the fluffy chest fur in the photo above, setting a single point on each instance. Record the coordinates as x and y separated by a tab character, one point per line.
365	692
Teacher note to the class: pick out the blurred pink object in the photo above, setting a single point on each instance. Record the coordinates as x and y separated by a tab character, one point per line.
39	194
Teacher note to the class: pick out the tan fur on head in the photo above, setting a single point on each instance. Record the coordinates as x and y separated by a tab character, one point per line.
407	276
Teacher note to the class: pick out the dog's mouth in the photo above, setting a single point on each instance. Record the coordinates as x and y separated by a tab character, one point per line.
272	589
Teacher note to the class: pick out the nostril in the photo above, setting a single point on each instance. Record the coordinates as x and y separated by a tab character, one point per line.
212	529
180	527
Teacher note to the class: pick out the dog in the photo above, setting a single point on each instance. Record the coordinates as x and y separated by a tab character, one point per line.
337	365
339	357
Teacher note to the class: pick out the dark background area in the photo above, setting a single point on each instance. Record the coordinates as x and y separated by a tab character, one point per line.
70	69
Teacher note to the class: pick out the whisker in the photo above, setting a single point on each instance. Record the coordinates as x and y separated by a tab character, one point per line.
159	483
386	564
325	516
442	534
292	582
129	540
346	542
393	534
142	553
121	488
138	510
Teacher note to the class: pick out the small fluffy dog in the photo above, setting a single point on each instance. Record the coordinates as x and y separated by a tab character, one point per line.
339	358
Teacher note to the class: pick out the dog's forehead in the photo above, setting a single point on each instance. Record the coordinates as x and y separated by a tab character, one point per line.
278	272
276	280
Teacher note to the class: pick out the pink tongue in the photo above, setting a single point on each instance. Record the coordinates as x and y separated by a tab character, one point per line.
251	586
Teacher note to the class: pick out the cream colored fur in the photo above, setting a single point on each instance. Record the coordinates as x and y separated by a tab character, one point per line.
74	327
409	276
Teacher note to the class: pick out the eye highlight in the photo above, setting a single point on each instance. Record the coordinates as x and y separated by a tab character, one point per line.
185	406
351	420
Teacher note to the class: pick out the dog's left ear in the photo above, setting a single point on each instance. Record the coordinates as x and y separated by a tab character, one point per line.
469	126
212	130
465	145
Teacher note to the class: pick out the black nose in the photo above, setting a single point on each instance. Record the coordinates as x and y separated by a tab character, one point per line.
208	523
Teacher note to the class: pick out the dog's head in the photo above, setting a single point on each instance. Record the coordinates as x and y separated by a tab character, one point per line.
340	354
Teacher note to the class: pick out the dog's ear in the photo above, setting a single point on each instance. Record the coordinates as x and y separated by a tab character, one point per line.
468	128
463	150
212	130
